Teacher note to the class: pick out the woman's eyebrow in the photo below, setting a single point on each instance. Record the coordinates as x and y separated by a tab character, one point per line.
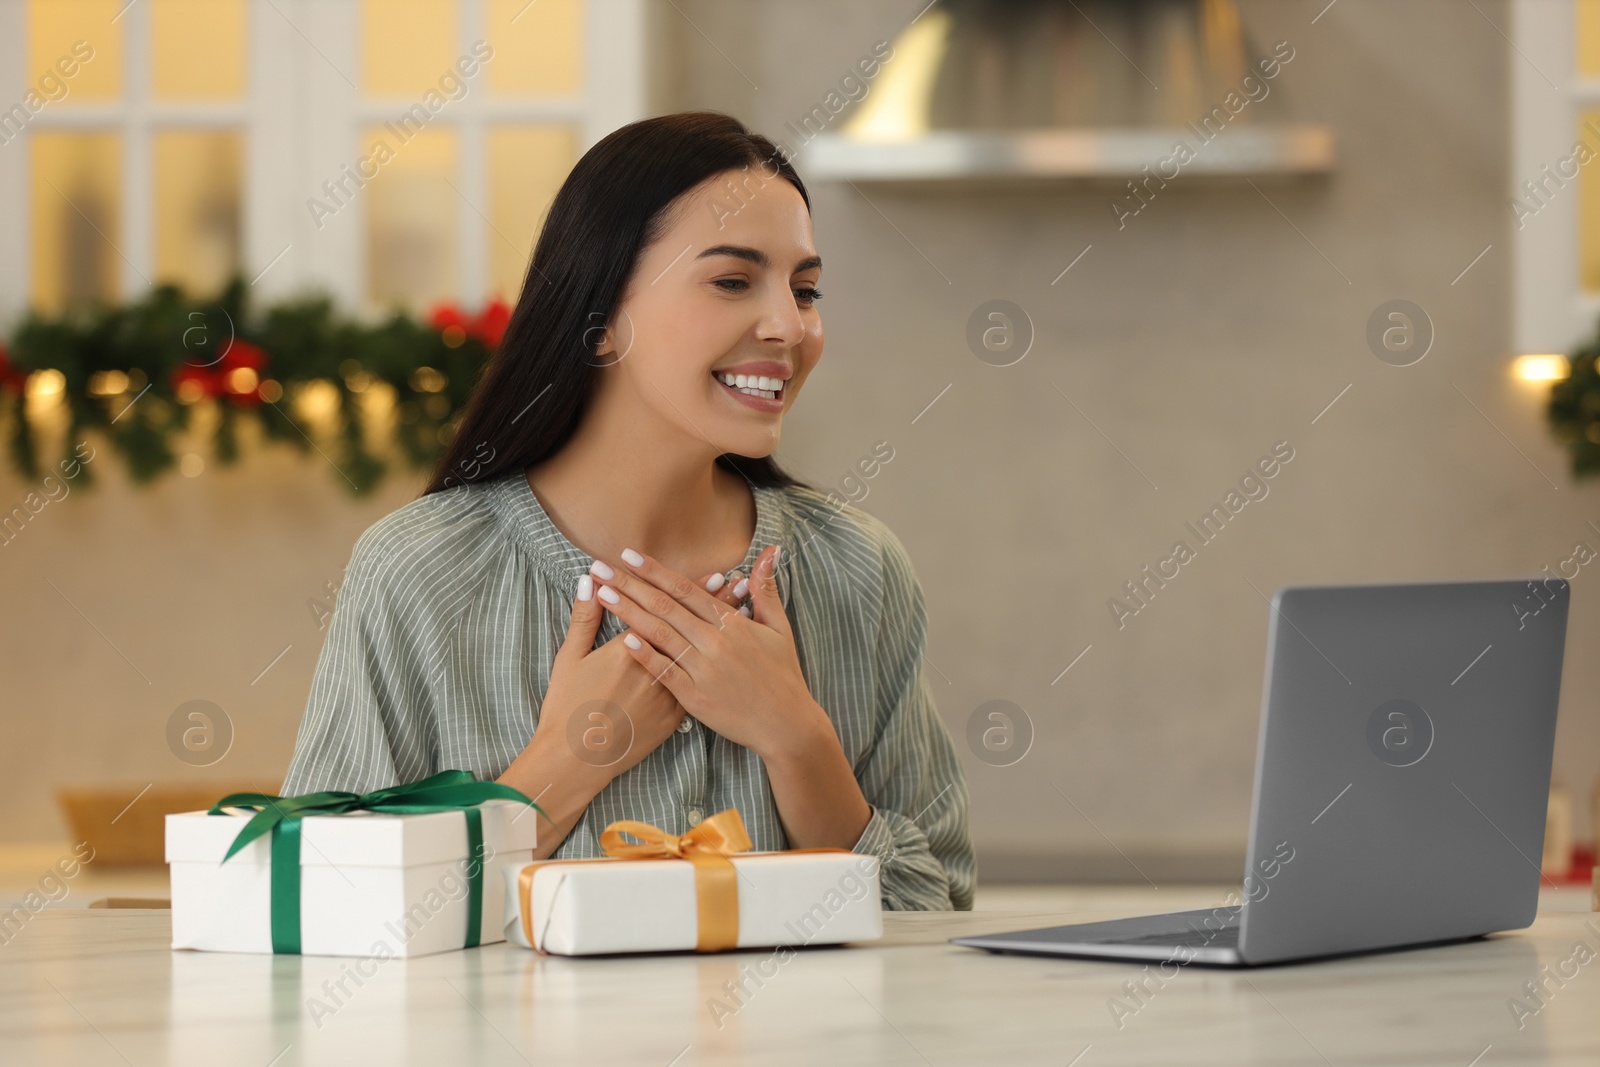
758	257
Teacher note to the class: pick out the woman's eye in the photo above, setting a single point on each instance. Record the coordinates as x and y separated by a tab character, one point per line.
806	295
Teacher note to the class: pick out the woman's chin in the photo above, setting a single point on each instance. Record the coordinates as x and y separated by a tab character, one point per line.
749	442
756	449
747	430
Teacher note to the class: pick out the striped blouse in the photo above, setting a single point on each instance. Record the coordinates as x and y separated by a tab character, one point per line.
446	627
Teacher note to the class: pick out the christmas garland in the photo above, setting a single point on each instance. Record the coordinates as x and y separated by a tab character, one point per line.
1574	410
136	373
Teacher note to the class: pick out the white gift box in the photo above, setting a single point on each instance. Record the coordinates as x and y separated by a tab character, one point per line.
371	884
592	906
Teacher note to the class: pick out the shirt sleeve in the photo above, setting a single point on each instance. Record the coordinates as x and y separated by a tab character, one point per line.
911	776
363	725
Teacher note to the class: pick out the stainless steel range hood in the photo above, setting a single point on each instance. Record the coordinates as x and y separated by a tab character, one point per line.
1030	89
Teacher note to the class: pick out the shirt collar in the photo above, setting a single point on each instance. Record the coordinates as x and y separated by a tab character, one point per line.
563	562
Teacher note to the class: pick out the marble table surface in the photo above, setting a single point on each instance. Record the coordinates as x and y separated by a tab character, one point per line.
101	986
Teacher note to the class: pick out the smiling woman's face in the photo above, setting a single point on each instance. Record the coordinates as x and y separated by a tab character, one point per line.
726	289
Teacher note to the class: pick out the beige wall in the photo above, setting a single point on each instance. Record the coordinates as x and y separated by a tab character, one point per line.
124	602
1195	339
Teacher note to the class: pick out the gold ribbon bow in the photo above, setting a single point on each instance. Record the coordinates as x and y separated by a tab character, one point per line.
707	845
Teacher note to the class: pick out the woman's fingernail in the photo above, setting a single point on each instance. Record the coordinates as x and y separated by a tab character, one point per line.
585	588
633	558
603	570
715	582
632	641
745	611
742	589
609	595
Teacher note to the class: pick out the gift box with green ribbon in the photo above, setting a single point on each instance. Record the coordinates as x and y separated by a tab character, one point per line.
403	871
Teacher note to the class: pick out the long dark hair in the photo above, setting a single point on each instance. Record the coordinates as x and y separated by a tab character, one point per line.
535	388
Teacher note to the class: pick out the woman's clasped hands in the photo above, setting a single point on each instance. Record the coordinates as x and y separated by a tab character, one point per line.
738	674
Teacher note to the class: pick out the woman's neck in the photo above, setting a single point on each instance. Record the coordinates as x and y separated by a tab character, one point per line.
611	488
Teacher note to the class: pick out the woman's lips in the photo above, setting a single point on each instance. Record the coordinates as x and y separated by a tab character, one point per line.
760	403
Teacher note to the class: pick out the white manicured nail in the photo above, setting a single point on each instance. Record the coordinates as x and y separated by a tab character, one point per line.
633	558
609	595
632	641
745	611
742	589
602	570
585	588
715	582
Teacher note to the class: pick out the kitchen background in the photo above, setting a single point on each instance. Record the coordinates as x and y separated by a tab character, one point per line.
1071	339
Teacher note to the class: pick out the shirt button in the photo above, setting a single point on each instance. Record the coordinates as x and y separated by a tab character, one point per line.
685	724
696	816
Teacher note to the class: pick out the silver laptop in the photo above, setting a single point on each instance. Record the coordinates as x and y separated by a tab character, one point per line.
1402	776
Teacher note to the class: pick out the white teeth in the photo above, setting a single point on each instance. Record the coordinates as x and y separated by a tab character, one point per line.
754	384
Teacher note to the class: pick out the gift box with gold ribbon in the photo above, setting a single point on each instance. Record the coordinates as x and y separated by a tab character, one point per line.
703	890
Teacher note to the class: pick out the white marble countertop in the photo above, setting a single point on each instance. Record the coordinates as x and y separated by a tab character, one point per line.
93	986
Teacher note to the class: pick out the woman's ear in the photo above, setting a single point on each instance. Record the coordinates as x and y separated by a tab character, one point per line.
610	341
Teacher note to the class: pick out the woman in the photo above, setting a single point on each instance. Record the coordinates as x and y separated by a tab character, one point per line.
619	442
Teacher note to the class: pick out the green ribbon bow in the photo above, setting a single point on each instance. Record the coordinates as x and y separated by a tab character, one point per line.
280	816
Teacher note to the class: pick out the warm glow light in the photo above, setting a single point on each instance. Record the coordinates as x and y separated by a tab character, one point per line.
108	383
316	399
1540	368
378	403
242	380
428	380
45	383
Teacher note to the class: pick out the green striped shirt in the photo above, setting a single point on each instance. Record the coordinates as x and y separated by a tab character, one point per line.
453	606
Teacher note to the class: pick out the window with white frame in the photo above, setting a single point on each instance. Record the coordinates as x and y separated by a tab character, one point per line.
391	153
1554	202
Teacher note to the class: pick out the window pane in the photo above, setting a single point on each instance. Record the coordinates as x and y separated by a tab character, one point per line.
197	208
406	45
1589	210
411	220
197	48
76	182
76	36
538	48
527	164
1588	38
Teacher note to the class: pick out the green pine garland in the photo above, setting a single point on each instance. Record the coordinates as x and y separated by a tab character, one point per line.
168	334
1574	410
168	337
